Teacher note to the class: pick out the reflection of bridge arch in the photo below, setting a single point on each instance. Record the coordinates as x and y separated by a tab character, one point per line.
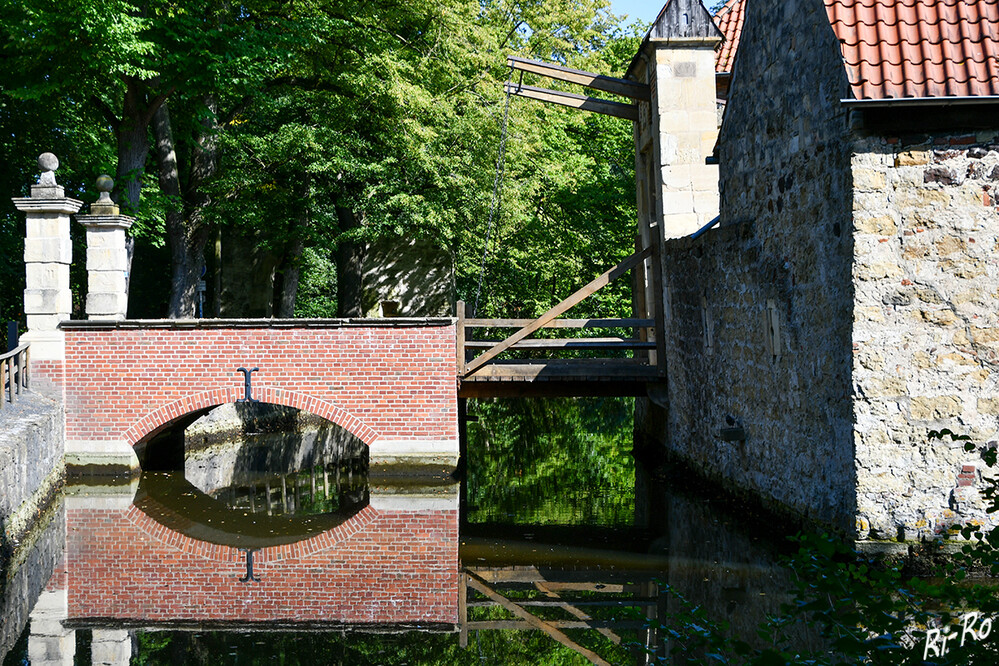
221	553
159	419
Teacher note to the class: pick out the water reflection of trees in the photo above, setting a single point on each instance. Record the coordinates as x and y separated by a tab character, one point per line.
553	461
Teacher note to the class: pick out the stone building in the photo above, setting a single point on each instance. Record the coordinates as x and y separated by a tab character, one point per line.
844	305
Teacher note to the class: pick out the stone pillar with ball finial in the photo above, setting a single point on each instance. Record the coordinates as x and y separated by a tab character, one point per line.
48	253
107	255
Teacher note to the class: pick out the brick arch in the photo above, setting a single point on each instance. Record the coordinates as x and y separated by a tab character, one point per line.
164	415
217	552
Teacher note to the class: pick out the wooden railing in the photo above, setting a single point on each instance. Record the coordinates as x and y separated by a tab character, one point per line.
14	376
474	354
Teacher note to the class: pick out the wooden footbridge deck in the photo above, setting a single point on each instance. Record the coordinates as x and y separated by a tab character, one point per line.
521	365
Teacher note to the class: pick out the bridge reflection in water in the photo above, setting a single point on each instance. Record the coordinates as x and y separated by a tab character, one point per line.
302	545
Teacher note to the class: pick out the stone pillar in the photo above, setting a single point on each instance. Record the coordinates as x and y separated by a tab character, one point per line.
49	642
111	647
48	252
107	256
684	109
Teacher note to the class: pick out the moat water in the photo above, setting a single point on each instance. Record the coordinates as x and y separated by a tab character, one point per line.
557	548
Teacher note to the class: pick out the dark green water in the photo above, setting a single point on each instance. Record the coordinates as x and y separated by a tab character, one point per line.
556	520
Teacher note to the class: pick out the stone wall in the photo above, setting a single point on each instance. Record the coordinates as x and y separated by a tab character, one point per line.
759	311
926	332
31	461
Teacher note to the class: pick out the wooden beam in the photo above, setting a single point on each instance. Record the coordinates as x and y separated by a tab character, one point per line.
568	343
561	323
480	586
610	84
572	610
594	104
554	312
591	369
460	334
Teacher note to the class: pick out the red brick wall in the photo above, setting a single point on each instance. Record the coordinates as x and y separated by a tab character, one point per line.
378	382
378	567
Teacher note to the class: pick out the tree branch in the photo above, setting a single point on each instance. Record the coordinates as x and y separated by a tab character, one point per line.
106	111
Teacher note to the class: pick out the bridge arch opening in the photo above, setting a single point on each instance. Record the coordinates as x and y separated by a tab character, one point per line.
251	475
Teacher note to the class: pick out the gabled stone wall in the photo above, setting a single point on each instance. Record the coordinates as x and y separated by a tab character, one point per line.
759	311
926	331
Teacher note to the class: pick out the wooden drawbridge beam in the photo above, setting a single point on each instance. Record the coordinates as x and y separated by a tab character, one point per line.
594	104
623	87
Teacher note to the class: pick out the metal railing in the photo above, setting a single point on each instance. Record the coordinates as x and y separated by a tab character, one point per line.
14	376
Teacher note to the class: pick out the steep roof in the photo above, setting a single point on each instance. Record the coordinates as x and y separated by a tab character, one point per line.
729	19
918	48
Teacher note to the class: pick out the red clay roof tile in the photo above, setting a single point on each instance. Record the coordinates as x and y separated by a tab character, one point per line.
729	20
918	48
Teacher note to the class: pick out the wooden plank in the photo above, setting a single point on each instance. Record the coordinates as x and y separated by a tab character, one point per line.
572	100
572	610
600	625
554	312
463	610
460	335
556	369
562	323
617	603
480	586
567	343
610	84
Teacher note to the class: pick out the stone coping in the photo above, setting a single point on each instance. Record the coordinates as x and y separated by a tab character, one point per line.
381	322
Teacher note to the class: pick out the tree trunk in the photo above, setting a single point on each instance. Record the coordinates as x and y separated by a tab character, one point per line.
349	264
184	269
291	269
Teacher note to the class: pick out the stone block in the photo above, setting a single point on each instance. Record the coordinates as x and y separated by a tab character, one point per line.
48	301
99	304
52	225
107	259
106	281
677	202
869	180
924	408
44	322
48	250
913	158
938	317
882	225
105	238
47	276
988	406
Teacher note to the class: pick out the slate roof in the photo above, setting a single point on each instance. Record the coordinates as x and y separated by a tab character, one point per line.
918	48
729	20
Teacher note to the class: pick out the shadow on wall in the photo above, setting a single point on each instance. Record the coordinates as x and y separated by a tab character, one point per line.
245	443
407	279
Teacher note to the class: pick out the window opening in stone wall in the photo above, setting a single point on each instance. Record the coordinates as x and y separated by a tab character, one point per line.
707	325
773	329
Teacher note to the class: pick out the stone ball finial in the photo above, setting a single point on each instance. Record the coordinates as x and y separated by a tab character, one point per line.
48	162
104	183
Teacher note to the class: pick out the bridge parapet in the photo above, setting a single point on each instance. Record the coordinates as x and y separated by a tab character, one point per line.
391	382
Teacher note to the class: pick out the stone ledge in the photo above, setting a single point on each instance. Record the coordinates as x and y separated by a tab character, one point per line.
382	322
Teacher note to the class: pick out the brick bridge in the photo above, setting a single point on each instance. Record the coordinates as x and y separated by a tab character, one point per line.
390	382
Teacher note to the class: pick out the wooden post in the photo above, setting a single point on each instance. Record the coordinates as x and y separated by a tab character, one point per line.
657	298
463	609
641	308
460	335
11	380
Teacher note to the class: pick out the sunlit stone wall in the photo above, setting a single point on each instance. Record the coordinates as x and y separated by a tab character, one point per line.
926	332
846	305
